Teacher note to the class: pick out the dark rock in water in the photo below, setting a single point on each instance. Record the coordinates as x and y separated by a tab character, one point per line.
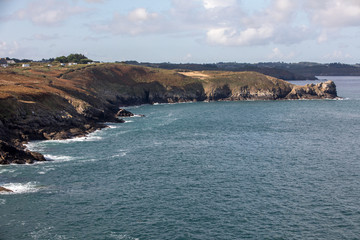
11	154
124	113
2	189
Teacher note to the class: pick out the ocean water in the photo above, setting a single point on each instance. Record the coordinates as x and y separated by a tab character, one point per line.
219	170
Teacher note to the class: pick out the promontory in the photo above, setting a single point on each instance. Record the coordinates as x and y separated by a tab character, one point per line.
40	101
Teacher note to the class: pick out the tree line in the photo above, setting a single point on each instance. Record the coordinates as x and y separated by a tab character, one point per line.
74	58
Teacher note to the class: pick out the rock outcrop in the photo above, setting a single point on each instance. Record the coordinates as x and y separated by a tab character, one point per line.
311	91
124	113
12	154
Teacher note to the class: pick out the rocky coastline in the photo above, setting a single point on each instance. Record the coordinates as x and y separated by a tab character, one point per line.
75	103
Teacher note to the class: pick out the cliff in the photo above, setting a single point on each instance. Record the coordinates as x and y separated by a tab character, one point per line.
63	102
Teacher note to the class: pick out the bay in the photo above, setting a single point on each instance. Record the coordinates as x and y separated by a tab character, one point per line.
218	170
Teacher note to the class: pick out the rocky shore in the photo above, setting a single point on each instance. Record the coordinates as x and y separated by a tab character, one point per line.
37	105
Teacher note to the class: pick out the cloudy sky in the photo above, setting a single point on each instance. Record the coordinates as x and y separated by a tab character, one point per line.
201	31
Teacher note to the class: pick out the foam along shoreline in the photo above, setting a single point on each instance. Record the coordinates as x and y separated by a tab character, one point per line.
19	188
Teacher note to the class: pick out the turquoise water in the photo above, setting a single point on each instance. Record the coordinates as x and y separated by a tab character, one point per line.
220	170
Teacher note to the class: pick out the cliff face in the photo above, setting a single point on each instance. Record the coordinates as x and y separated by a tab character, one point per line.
62	103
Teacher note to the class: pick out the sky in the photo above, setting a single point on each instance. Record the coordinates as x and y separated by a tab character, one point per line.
183	31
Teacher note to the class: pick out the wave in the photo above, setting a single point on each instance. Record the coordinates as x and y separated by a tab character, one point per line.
60	158
19	188
137	115
114	235
112	126
45	170
121	154
37	145
2	201
6	170
79	139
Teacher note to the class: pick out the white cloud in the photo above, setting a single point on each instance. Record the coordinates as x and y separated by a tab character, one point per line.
338	55
226	22
277	54
323	37
8	49
188	57
47	13
141	14
249	36
138	21
45	37
210	4
269	25
334	13
95	1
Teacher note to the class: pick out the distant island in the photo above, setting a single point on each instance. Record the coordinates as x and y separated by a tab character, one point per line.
59	100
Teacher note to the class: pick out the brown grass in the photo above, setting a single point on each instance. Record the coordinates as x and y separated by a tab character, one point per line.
195	74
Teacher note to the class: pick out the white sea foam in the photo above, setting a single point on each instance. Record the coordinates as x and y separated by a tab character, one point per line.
37	145
61	158
122	154
6	170
18	188
121	236
45	170
2	201
137	115
90	138
128	121
88	160
42	232
112	126
33	146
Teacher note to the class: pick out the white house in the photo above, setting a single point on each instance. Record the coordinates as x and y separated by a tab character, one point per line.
62	64
10	62
26	65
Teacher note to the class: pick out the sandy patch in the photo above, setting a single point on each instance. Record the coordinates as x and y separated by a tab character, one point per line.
195	74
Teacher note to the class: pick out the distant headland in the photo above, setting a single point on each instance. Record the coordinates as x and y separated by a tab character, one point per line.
71	97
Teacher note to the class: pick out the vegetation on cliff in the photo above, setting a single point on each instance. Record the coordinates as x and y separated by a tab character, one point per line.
56	102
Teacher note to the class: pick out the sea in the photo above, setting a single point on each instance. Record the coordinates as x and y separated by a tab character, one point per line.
285	169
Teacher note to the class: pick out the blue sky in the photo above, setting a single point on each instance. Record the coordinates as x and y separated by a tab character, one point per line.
200	31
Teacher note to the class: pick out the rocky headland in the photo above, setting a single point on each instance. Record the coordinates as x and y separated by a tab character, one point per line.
42	103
